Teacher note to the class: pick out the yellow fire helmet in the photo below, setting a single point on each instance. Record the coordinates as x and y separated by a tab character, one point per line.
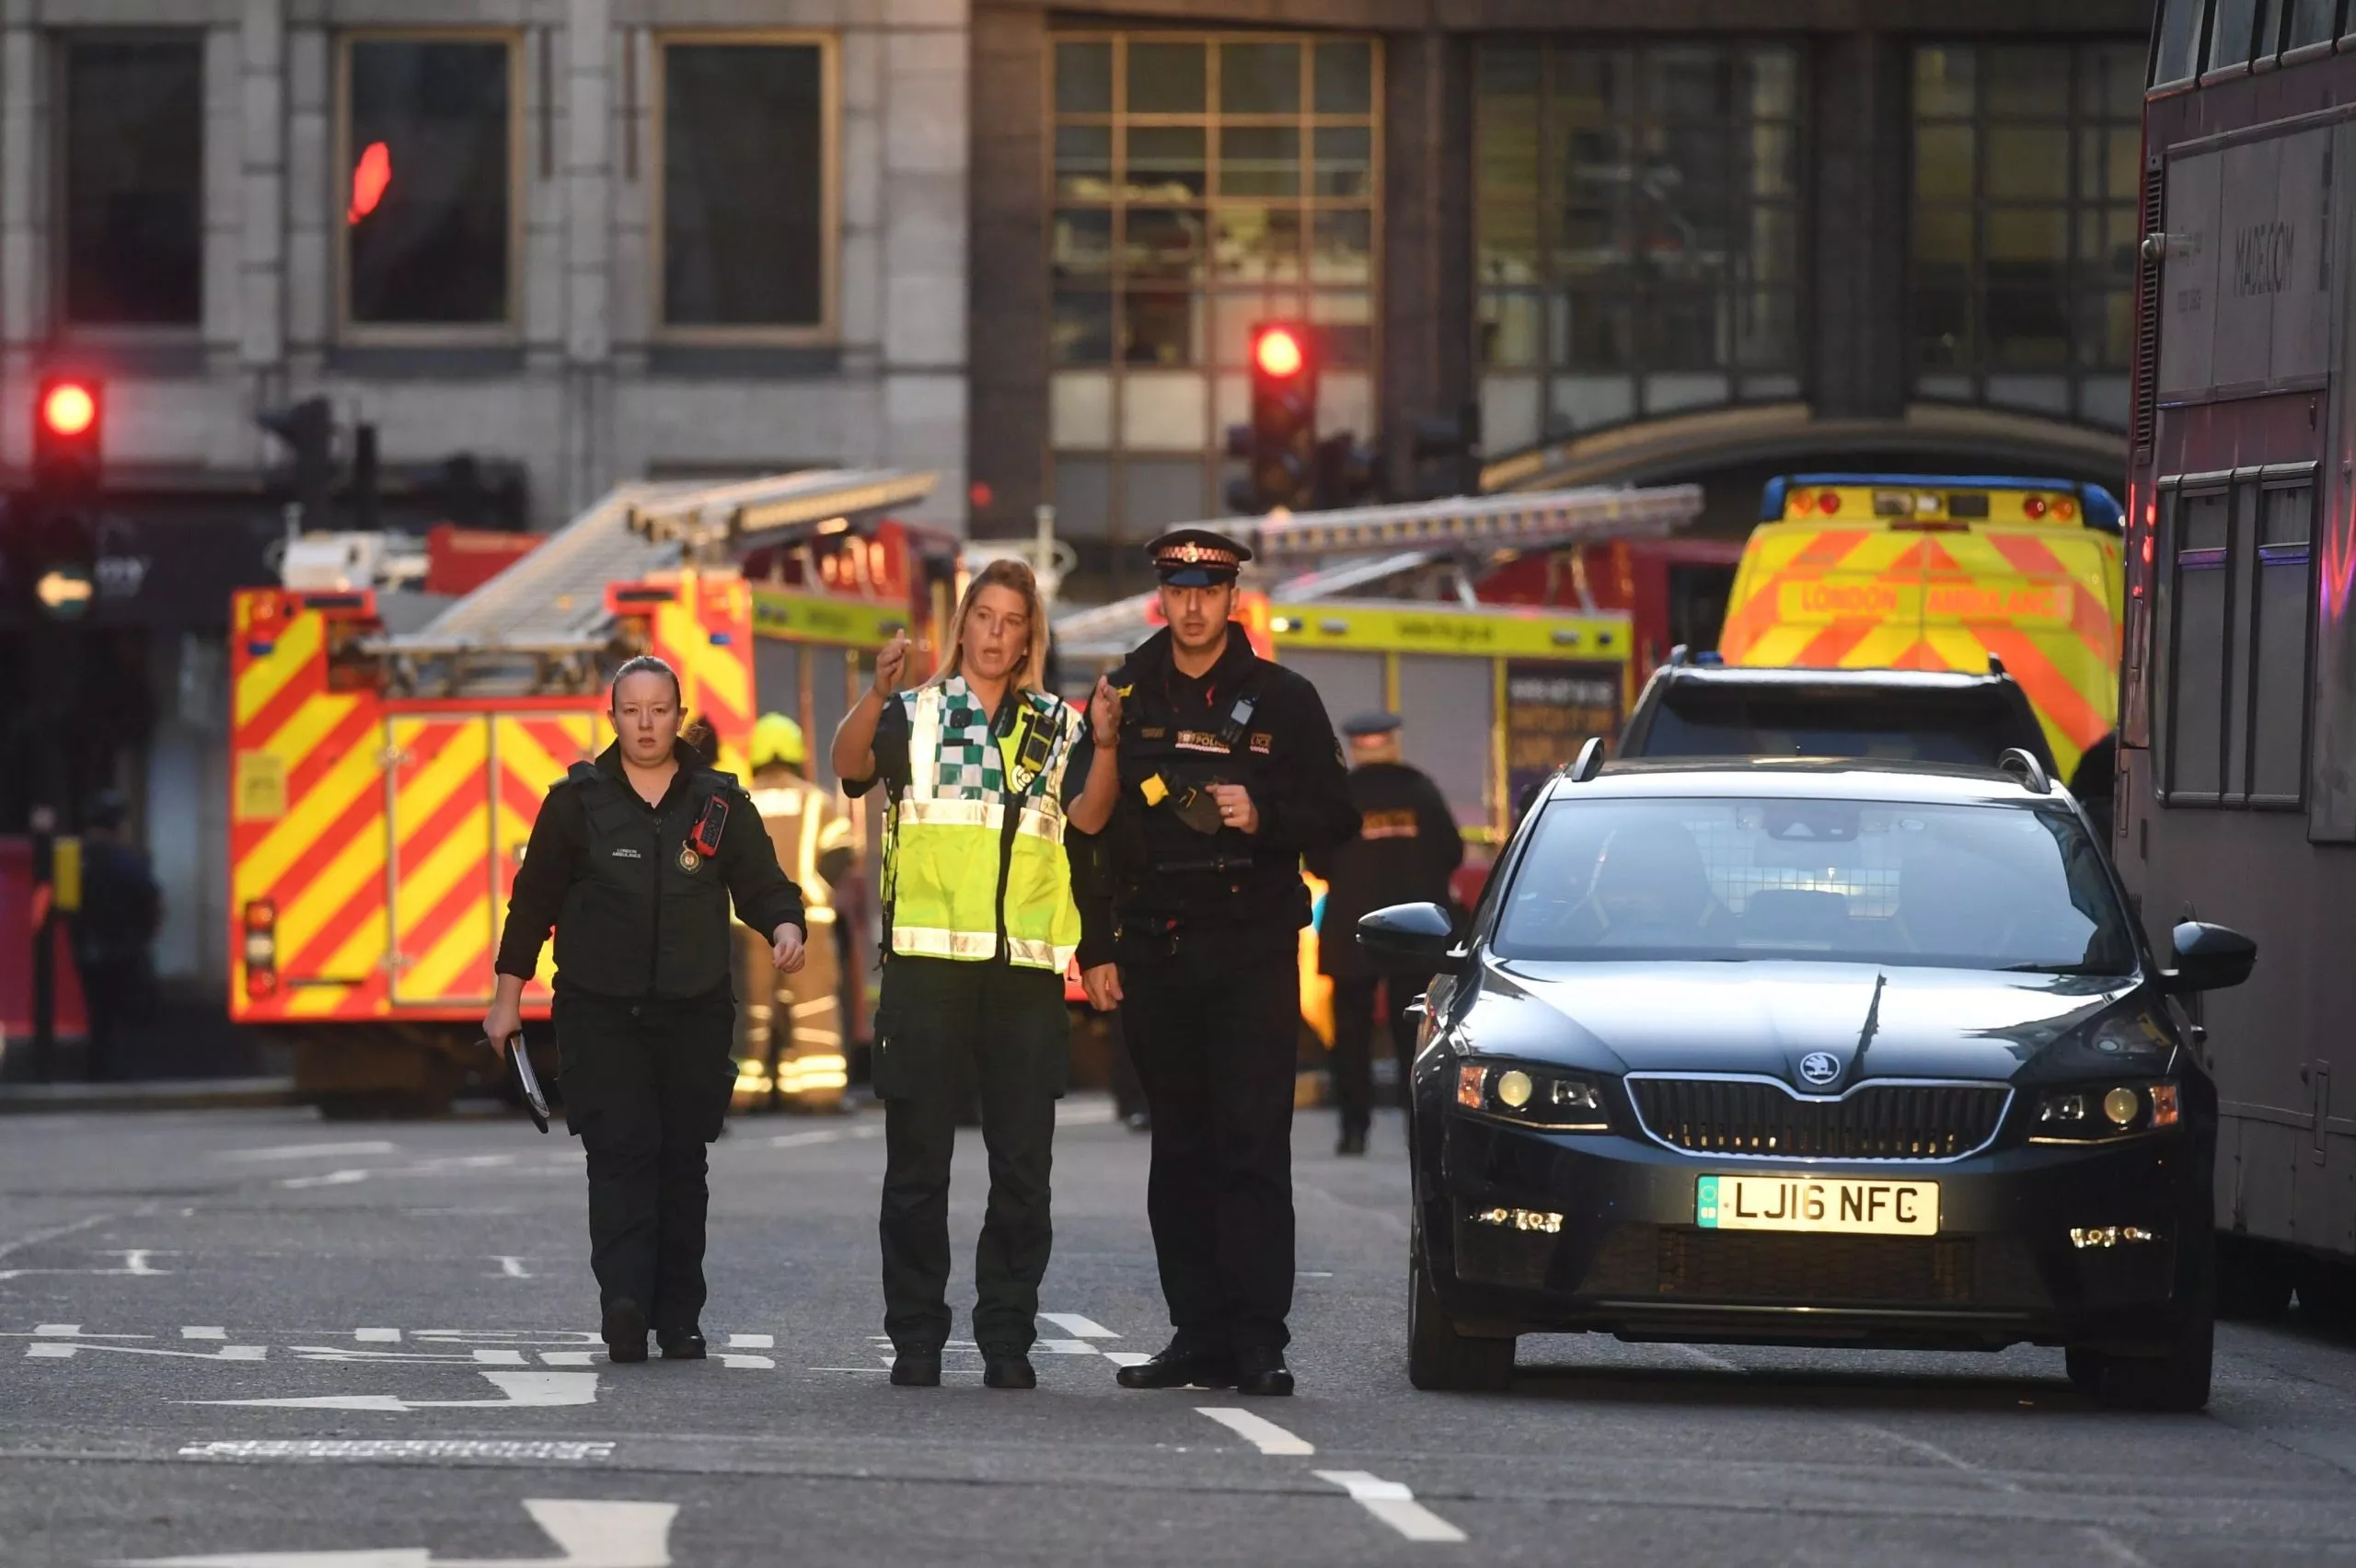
776	739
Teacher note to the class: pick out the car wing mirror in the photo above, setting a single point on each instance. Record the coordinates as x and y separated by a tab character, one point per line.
1414	936
2208	958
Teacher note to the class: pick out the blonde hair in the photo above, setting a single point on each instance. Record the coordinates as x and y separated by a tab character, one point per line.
1030	672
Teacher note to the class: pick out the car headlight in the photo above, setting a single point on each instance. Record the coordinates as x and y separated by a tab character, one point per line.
2096	1112
1537	1097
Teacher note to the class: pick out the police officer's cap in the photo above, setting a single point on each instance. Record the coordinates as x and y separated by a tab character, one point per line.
1196	558
1365	726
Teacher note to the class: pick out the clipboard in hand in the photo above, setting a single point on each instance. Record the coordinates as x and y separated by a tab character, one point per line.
526	1081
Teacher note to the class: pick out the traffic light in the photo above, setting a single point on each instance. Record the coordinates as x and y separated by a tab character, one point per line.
69	437
1455	442
1279	446
308	430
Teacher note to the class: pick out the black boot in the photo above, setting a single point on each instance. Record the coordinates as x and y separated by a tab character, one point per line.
680	1345
916	1369
1262	1371
624	1330
1009	1372
1353	1141
1179	1369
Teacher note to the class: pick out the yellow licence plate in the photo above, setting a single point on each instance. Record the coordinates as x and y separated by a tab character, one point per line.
1817	1203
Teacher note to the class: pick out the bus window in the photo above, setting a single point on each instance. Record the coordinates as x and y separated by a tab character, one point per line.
2311	21
2232	24
2178	57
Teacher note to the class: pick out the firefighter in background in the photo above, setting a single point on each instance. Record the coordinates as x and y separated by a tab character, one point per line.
792	1024
1407	849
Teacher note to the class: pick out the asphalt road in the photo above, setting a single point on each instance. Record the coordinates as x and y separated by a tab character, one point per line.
232	1333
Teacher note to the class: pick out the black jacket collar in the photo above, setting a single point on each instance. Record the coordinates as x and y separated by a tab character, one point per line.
1151	661
609	763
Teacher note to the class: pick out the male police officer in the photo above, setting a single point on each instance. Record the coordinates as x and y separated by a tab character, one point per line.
1229	773
1407	850
794	1024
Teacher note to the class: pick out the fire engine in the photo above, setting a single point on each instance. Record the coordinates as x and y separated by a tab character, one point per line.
384	782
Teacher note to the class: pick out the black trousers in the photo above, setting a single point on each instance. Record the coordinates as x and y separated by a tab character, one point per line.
1214	1026
1354	1021
946	1026
646	1085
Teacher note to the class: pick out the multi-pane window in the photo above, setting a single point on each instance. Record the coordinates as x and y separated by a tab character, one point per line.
429	143
2027	169
2235	593
1637	232
1200	184
747	197
131	168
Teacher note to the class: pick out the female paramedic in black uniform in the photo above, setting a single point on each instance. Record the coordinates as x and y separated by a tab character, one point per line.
634	860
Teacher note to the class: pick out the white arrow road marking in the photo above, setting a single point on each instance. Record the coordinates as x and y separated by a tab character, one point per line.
591	1535
519	1388
513	1267
1076	1326
1393	1503
1263	1434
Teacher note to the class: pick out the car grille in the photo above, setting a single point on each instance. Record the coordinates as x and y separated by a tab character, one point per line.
1753	1119
1784	1268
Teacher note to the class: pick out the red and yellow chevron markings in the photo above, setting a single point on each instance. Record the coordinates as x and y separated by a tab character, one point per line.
706	634
441	886
532	751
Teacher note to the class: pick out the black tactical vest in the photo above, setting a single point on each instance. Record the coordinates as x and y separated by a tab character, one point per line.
1170	871
647	915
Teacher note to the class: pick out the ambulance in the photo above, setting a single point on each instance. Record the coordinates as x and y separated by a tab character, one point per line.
1915	571
384	782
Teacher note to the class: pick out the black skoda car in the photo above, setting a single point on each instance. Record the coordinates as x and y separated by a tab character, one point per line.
1812	1053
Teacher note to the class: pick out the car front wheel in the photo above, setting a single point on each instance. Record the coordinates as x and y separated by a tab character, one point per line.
1440	1357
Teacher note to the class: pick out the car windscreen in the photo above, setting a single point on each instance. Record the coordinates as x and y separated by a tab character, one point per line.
1966	728
1950	886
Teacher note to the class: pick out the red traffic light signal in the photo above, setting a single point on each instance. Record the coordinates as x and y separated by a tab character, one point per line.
69	420
67	409
1276	352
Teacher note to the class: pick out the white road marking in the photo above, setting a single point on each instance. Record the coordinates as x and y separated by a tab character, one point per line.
591	1535
64	1350
451	1355
513	1267
1087	1114
1393	1503
187	1333
333	1179
884	1368
1930	1450
311	1151
1127	1357
752	1342
1076	1326
801	1140
744	1362
2117	1549
519	1388
35	1237
1261	1433
1064	1347
395	1448
377	1337
134	1264
572	1357
65	1331
875	1131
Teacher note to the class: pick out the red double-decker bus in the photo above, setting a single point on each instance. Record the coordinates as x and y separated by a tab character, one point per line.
2237	794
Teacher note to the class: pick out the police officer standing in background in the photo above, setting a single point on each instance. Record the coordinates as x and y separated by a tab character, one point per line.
634	861
792	1024
1228	774
114	936
1407	849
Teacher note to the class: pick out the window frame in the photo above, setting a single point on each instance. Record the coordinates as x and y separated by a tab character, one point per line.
1121	545
2076	373
1747	386
2236	759
58	247
827	329
509	330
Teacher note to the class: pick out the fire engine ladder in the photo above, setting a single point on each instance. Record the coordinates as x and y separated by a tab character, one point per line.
1337	553
540	624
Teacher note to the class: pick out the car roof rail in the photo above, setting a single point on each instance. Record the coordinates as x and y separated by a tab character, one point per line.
1590	762
1995	665
2022	765
1680	655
